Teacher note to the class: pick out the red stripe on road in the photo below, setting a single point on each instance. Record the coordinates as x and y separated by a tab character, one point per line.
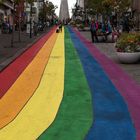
9	75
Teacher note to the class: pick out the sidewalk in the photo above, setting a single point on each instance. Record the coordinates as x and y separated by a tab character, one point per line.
109	50
8	54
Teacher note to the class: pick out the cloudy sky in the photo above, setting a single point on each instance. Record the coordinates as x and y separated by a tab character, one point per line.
71	4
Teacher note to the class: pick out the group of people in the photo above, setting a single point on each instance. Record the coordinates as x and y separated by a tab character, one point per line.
5	27
59	27
103	29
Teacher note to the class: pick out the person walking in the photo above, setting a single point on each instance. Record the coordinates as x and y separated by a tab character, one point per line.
115	32
60	27
93	29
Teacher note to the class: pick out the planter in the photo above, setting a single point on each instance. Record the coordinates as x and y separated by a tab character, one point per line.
128	58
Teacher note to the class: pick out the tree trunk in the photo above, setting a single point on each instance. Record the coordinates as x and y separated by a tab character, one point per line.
19	30
13	29
12	37
31	20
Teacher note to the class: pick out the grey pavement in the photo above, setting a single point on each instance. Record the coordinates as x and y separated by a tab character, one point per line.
8	54
109	50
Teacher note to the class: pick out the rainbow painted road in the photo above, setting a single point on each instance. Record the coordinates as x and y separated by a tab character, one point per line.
64	88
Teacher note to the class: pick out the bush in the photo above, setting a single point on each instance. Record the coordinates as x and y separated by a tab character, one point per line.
128	42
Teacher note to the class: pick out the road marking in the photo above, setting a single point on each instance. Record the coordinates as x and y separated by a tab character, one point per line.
25	86
10	74
42	108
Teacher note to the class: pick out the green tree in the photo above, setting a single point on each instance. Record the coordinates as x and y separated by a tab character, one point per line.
107	6
48	9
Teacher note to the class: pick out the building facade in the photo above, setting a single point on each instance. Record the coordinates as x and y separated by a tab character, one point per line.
80	3
33	16
6	18
64	10
6	9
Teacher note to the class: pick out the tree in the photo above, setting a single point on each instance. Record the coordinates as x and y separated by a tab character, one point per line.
16	3
107	6
47	10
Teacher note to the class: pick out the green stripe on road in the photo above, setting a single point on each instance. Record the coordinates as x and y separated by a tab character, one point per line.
75	114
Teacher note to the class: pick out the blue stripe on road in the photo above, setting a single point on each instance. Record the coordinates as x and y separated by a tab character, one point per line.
112	119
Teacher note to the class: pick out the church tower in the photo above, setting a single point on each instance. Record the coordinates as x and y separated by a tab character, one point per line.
64	10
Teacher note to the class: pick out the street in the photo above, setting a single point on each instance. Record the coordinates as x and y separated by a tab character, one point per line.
64	87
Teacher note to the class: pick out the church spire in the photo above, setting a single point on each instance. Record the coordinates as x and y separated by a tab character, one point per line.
64	10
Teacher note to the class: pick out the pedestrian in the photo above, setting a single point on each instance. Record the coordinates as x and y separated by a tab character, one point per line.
126	27
115	32
35	28
93	29
57	30
106	29
60	27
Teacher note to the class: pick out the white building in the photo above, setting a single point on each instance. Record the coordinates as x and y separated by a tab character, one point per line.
64	12
35	11
80	3
36	6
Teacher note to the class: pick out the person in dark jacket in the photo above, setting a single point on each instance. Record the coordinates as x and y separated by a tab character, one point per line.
93	29
60	27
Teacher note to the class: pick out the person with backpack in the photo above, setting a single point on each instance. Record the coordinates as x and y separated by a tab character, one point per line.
93	29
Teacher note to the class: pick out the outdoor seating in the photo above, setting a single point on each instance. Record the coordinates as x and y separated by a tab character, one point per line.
104	36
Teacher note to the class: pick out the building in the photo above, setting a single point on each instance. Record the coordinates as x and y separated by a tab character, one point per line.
80	3
34	15
6	10
36	7
64	10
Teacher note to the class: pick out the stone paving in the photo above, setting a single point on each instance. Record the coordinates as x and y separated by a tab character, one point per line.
109	50
8	54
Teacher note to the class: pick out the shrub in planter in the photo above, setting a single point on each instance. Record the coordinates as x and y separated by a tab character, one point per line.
128	42
128	47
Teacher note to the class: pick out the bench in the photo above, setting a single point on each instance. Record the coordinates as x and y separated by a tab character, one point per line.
104	35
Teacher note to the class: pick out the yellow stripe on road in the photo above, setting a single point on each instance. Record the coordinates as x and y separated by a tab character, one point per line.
26	84
42	108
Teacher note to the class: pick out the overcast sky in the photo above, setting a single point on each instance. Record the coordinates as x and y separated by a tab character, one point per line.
71	4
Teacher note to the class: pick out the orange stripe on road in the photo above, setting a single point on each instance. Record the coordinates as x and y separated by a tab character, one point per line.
24	87
41	110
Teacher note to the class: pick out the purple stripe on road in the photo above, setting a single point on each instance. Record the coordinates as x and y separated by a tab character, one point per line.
125	84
